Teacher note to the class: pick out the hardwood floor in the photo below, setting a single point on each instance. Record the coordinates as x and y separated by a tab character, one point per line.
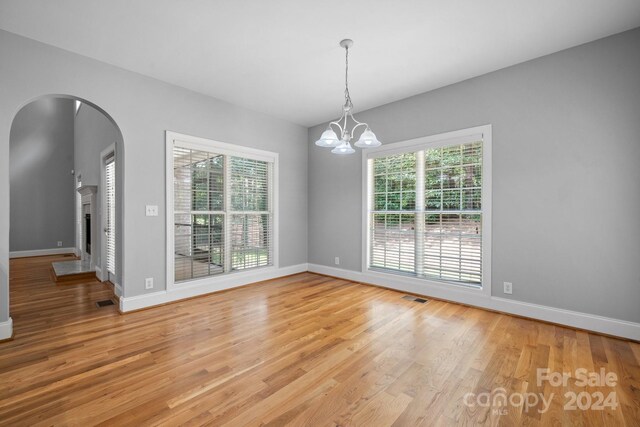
301	350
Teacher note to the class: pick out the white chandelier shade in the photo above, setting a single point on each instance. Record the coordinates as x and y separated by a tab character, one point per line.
328	139
343	148
368	139
342	144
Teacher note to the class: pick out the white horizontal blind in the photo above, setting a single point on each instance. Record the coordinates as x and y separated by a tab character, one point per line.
110	176
432	229
453	223
251	219
223	219
393	216
198	213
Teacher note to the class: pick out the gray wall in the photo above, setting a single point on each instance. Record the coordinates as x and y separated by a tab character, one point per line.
565	156
143	108
566	175
94	133
42	194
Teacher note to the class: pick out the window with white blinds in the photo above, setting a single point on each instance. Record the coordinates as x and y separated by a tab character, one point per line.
250	216
110	178
426	211
223	211
393	218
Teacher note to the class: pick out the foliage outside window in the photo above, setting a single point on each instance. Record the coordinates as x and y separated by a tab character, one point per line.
425	213
223	215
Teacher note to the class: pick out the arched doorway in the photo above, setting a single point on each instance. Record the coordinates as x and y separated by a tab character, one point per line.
66	184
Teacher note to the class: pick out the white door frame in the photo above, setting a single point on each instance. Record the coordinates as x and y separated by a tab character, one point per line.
101	272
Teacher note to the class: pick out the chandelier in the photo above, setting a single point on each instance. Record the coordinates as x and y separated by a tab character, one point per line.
329	137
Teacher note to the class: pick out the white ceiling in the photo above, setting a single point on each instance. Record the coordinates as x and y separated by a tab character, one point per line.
282	57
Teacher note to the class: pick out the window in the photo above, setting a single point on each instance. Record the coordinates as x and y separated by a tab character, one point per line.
223	207
427	208
251	219
110	232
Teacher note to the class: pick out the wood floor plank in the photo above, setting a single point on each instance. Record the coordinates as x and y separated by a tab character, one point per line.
304	350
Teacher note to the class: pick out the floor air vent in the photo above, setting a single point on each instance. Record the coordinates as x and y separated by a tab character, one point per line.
415	299
104	303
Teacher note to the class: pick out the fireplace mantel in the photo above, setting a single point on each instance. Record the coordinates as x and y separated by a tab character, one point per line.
88	190
88	194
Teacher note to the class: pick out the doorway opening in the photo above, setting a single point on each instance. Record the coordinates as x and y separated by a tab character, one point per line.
66	181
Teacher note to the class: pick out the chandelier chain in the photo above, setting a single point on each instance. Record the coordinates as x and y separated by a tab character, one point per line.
347	96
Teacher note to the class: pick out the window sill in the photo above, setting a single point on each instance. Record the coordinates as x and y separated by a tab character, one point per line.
222	278
423	285
423	279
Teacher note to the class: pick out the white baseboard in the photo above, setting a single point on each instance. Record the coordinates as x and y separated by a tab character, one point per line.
213	284
576	319
6	329
42	252
117	289
591	322
104	276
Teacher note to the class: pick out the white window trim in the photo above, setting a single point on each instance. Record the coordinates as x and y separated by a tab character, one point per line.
204	144
433	141
104	273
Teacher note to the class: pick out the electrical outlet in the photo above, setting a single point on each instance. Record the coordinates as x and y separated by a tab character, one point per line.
151	210
337	261
508	287
148	283
59	244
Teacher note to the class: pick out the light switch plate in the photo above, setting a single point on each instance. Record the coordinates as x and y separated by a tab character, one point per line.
152	210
